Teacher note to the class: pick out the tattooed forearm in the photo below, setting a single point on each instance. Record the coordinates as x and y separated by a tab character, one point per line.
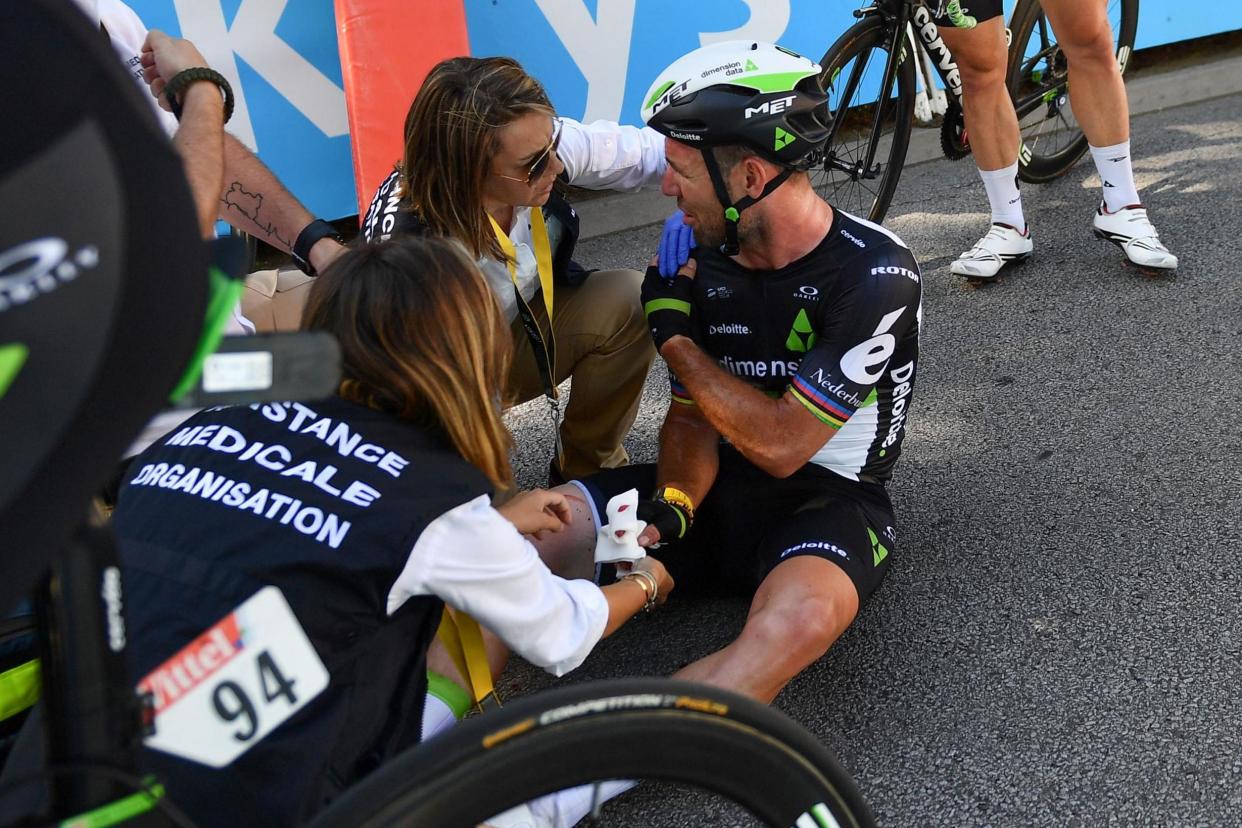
248	204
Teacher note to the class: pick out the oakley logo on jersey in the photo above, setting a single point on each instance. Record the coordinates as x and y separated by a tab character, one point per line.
735	328
864	363
807	292
901	393
893	270
769	107
40	266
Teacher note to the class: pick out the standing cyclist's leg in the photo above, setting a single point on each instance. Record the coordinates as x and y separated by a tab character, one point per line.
1098	96
1096	89
992	126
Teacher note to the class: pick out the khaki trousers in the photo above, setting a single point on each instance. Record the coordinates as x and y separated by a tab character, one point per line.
602	342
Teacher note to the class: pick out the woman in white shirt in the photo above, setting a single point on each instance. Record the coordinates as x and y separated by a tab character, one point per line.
483	152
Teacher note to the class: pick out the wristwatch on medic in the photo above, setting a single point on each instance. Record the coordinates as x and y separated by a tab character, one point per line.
310	235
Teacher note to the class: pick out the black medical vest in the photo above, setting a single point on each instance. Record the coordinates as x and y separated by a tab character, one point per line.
327	510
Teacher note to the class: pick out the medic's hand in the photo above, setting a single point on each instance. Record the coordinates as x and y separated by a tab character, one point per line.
676	242
667	302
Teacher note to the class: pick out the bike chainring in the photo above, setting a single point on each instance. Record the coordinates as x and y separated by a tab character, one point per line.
954	141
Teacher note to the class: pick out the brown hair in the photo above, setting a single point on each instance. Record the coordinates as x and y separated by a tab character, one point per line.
423	338
451	136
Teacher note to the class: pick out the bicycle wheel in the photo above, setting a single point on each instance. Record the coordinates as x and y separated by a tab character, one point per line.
646	729
852	71
1038	80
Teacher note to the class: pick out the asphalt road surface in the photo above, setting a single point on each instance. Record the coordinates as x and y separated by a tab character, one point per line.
1059	641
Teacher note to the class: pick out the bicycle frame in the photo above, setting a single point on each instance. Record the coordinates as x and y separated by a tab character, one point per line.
897	14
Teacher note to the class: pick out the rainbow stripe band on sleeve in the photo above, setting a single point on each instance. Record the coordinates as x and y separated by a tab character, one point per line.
829	411
679	393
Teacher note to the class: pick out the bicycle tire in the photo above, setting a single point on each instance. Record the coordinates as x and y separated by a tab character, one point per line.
620	729
1039	90
863	41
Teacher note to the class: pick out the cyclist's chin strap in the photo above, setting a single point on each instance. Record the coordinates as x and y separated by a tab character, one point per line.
733	209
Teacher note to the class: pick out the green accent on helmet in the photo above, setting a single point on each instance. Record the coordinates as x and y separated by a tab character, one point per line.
802	335
732	214
12	358
783	139
655	96
878	550
225	294
751	67
776	82
678	305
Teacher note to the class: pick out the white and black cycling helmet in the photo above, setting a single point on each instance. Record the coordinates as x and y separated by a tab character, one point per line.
742	92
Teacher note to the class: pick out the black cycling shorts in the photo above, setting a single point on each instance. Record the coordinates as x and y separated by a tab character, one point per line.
750	522
980	10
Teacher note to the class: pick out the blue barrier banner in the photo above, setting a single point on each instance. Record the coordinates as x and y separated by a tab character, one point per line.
281	58
596	58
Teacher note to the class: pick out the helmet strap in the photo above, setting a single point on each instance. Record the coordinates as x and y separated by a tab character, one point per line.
733	209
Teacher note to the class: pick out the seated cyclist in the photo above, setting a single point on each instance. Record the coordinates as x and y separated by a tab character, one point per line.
483	148
792	342
975	33
370	511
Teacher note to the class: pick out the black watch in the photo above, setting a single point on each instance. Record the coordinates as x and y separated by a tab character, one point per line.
312	233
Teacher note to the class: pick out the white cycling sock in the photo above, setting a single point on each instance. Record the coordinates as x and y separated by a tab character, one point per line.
437	716
1004	196
1113	165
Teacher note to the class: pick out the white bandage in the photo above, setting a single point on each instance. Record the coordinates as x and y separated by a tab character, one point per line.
618	540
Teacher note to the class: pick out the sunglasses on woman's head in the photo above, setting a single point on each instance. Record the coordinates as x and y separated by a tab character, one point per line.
541	163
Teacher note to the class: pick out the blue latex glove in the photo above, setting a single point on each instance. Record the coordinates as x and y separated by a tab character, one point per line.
676	242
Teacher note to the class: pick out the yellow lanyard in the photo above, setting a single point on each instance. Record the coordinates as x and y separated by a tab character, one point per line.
461	637
543	254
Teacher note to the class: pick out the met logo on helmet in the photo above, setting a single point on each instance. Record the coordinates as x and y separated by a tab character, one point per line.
770	107
665	95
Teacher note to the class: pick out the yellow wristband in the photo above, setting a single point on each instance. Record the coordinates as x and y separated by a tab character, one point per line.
675	496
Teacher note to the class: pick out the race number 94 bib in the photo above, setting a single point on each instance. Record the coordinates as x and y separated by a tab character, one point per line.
226	690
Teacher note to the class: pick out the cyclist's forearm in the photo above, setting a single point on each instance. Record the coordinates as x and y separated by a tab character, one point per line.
774	435
689	452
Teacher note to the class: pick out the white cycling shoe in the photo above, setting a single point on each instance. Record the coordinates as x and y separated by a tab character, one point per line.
1002	244
1131	230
